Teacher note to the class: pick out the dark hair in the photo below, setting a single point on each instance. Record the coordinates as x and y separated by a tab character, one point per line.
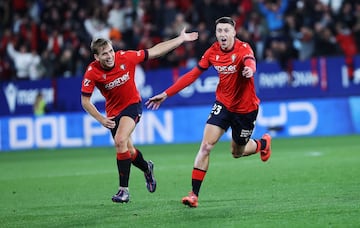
98	43
226	20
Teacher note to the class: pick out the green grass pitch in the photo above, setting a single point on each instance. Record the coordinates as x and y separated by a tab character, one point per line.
308	182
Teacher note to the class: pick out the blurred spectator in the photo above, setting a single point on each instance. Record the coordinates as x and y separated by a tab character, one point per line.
273	11
83	58
6	72
257	29
203	42
242	13
67	64
156	12
356	28
346	16
27	64
305	43
39	107
208	13
48	64
346	41
5	14
226	8
325	41
96	26
178	24
5	39
55	43
304	28
170	11
132	13
116	16
274	14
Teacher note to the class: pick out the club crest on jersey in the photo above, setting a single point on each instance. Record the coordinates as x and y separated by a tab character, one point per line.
233	57
122	67
217	57
104	76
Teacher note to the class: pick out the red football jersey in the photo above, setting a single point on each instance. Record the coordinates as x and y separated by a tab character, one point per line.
235	91
117	85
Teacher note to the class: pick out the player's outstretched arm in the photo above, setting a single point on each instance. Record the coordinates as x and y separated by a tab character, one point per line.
184	81
154	102
162	48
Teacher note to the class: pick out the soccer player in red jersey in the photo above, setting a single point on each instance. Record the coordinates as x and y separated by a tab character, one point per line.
113	74
236	104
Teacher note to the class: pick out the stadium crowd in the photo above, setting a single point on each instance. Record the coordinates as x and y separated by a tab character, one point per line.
51	38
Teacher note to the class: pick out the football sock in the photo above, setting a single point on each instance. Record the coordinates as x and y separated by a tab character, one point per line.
260	144
138	161
198	176
123	164
263	144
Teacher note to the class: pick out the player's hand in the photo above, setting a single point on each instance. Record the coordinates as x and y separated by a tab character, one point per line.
247	72
154	102
108	122
189	36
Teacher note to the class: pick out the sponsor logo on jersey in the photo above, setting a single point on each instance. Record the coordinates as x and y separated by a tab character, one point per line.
226	69
118	81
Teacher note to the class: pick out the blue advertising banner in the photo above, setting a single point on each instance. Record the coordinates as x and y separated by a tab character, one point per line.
315	78
18	97
172	125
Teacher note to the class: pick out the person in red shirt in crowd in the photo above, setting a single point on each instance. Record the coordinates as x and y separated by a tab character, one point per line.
236	104
346	39
113	73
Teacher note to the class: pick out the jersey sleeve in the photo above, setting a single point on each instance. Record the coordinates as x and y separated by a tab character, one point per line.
184	81
204	62
248	58
88	82
135	56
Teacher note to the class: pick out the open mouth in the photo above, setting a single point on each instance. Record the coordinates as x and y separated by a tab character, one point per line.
109	61
223	41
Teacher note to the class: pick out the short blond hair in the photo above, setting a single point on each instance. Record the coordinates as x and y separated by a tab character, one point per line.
98	43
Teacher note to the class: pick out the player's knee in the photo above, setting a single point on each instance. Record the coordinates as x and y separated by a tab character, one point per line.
120	141
206	148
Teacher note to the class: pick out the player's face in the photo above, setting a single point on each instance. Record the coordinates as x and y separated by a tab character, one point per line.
225	34
106	57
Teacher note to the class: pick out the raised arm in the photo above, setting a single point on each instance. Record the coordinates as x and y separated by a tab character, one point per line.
162	48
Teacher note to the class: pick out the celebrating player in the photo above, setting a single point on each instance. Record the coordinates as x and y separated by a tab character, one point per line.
236	104
113	74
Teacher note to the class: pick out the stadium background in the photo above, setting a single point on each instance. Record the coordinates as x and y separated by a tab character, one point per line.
308	67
